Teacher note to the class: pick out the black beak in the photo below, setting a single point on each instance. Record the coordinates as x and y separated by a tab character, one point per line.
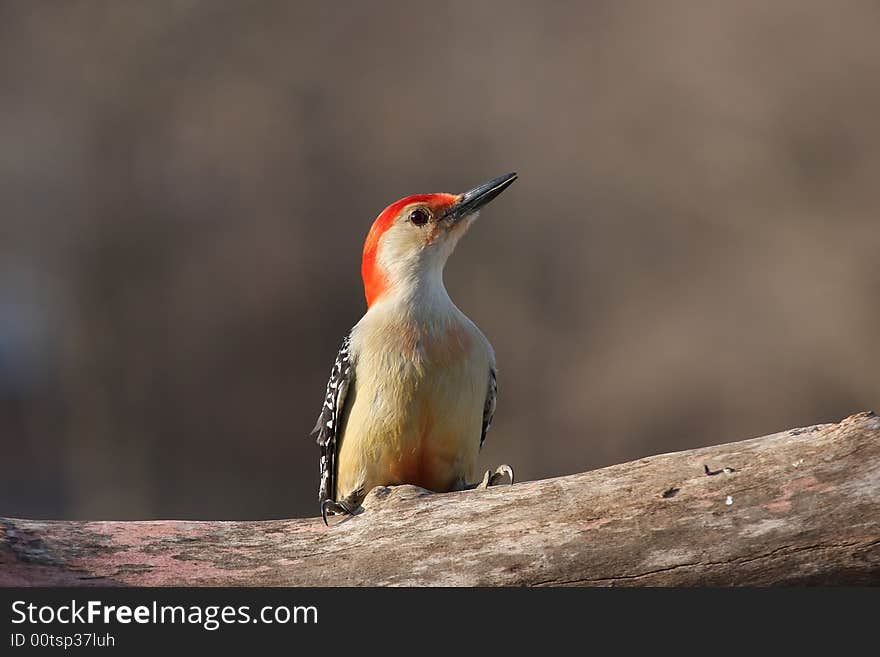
474	199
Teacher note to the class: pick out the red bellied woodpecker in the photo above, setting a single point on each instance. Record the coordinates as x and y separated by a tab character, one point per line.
412	392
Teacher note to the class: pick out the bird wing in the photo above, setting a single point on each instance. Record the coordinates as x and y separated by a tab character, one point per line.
327	429
489	407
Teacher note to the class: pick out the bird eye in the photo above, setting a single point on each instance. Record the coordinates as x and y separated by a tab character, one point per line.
419	216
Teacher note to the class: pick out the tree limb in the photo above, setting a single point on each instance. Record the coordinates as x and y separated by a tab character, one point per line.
797	507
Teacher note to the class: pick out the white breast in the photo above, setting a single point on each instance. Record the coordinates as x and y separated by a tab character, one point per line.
415	414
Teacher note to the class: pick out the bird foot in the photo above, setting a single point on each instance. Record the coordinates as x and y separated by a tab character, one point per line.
346	507
494	478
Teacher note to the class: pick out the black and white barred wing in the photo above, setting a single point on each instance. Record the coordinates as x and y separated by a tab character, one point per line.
489	407
329	420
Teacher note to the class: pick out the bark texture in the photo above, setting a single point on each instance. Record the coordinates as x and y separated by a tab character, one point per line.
797	507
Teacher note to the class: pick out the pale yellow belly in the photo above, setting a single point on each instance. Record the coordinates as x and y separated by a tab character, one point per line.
413	424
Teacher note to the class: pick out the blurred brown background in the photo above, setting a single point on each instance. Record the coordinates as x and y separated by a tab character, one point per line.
689	257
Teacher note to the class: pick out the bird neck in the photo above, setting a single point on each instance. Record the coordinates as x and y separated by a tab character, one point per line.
420	298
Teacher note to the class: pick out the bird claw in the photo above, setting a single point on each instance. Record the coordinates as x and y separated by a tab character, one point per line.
345	507
494	478
334	508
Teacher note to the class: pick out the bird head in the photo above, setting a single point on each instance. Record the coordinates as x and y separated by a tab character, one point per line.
412	238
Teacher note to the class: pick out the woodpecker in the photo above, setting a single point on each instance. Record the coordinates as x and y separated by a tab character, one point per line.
412	392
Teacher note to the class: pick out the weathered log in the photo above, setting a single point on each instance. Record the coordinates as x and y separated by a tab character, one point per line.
797	507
